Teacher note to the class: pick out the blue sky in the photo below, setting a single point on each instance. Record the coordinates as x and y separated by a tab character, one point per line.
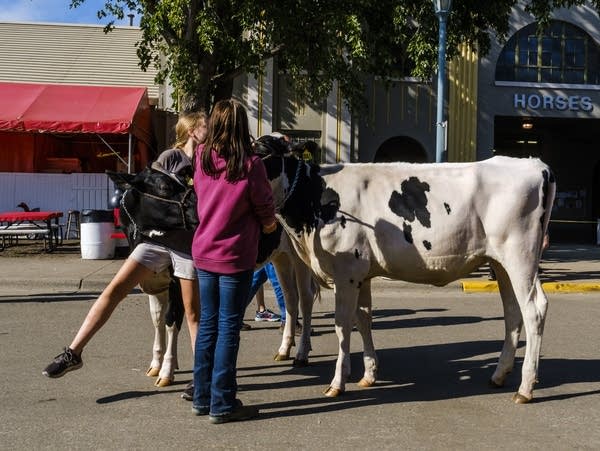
53	11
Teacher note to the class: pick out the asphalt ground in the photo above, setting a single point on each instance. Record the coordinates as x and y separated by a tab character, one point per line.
27	269
437	348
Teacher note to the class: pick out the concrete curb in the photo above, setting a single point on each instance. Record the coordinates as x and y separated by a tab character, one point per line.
479	286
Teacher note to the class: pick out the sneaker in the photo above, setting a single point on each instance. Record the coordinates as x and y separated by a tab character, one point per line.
267	315
200	411
239	413
188	392
298	328
63	363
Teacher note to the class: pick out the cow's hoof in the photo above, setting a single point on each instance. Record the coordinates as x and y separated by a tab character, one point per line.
494	384
300	363
518	398
365	383
163	382
281	357
331	392
152	372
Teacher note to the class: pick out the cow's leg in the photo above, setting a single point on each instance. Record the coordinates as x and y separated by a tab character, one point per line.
158	307
173	321
513	323
534	305
166	376
286	277
346	300
307	291
363	322
534	317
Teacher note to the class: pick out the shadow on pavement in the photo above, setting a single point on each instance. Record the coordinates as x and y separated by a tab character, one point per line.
52	297
428	373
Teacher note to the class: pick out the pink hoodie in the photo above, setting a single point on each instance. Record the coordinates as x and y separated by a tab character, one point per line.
231	216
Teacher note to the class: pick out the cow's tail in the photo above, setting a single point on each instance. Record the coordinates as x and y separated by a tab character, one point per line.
536	295
548	189
316	290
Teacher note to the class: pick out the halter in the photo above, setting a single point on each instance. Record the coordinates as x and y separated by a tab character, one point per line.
292	188
179	203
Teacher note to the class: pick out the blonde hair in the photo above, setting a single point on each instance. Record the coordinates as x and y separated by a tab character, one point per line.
185	123
228	134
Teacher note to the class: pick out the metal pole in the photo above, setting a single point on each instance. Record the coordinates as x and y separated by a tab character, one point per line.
130	155
440	141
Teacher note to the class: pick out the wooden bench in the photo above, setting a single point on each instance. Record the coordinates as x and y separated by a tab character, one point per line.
13	232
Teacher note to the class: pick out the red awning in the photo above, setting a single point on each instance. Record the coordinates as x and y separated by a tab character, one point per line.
29	107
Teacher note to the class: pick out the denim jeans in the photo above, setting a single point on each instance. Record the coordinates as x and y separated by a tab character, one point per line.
260	277
223	302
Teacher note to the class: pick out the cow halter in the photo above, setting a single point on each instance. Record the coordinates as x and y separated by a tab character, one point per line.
292	188
179	203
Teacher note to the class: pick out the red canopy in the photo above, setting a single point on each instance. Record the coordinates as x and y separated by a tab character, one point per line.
28	107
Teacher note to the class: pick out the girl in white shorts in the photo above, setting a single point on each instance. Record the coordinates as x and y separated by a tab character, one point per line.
146	260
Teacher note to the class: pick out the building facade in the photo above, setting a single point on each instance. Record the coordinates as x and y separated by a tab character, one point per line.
535	94
532	95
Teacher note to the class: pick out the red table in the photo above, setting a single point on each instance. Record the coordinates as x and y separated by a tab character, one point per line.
15	223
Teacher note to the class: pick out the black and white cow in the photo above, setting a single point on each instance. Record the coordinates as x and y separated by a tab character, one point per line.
422	223
154	201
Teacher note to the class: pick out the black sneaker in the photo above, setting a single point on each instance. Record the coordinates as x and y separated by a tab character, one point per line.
188	393
63	363
239	413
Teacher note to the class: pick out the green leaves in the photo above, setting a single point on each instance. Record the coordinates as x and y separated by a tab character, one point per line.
201	45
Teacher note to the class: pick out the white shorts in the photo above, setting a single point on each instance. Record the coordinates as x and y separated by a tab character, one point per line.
157	258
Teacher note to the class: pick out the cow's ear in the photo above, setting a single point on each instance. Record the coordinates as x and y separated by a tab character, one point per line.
121	179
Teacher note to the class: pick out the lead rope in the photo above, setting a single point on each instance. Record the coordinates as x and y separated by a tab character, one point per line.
294	182
135	226
179	203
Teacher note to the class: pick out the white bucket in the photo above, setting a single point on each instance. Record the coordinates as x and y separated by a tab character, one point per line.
96	243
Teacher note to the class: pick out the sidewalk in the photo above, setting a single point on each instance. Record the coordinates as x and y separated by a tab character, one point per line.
573	268
25	270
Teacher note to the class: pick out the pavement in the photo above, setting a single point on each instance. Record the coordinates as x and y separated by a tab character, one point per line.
26	269
437	348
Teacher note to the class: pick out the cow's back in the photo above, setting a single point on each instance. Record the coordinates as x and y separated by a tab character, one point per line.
429	223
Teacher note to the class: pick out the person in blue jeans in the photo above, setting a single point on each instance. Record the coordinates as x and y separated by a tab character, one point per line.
262	313
235	203
260	277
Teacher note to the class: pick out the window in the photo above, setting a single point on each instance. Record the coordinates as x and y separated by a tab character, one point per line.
563	53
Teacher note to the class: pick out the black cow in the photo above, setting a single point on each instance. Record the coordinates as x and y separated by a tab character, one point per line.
155	201
151	202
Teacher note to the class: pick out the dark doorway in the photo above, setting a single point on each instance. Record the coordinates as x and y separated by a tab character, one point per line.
570	148
401	148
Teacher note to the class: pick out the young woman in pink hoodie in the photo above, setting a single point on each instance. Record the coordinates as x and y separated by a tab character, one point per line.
234	202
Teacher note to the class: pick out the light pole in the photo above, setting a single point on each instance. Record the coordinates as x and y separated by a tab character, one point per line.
442	10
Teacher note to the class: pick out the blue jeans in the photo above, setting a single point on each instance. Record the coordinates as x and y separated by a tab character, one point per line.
260	277
223	302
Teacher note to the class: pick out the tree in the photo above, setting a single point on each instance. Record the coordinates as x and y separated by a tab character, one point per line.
202	45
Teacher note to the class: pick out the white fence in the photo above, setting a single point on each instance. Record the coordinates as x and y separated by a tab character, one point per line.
56	192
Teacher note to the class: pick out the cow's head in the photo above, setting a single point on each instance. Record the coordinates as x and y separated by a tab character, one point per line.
296	184
155	201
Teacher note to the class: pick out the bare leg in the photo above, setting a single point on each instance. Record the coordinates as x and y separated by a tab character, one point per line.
130	274
260	299
191	305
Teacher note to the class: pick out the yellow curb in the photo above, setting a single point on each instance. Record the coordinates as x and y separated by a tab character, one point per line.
570	287
479	286
490	286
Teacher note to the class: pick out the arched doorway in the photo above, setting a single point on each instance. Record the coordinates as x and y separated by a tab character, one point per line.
401	148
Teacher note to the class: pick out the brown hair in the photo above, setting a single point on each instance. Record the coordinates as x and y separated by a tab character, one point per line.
186	122
229	135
